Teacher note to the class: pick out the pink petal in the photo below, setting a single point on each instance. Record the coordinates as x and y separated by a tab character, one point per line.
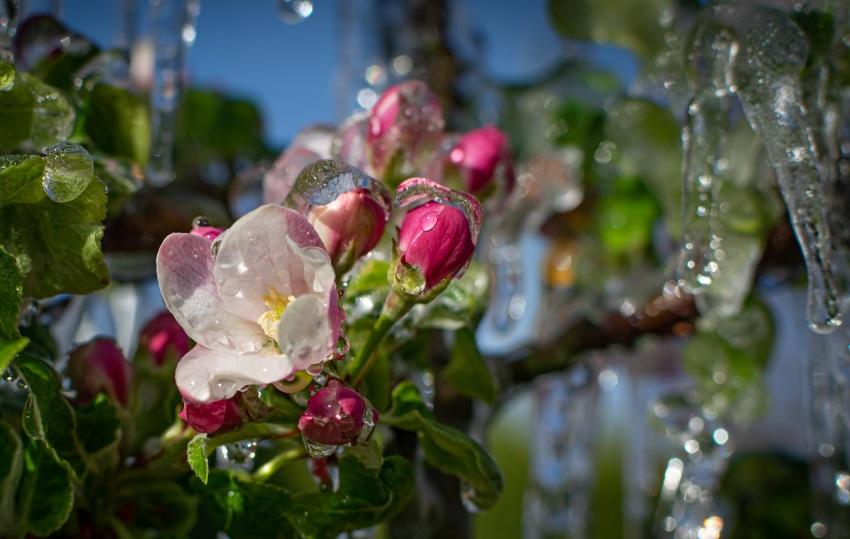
184	267
271	250
205	375
278	181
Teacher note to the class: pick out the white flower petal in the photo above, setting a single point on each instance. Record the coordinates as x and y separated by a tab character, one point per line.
205	375
184	268
304	331
271	250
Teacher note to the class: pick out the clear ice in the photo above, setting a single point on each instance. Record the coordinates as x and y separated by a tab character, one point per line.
759	53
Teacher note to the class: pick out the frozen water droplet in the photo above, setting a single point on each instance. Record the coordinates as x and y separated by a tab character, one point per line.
68	169
369	422
22	385
9	375
294	11
317	450
200	221
429	222
315	370
237	456
322	182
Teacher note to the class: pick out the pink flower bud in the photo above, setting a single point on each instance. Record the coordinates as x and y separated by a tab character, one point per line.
99	367
163	335
208	232
212	417
351	225
335	415
479	154
407	117
436	238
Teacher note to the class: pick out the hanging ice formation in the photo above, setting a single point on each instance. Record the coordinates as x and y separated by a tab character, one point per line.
759	54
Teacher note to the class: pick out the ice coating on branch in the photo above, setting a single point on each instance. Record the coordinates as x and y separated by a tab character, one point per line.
759	53
250	306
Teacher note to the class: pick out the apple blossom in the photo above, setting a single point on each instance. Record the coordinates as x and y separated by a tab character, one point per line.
212	417
482	157
264	307
437	237
335	415
406	121
350	226
99	366
161	335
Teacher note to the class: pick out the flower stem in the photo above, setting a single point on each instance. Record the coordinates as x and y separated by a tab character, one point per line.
268	469
394	308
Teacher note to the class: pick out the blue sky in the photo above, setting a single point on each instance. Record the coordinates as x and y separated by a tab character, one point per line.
245	48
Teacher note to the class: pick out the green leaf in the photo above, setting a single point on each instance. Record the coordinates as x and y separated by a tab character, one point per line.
11	293
46	494
33	114
648	141
446	448
117	122
154	400
157	508
99	433
632	24
365	497
121	178
9	349
467	372
21	179
462	301
47	414
196	455
10	470
246	509
57	245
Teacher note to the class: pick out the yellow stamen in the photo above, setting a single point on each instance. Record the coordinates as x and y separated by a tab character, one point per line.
276	303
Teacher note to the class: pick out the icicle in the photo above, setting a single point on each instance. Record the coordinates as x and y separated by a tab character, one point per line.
767	53
557	498
719	255
174	33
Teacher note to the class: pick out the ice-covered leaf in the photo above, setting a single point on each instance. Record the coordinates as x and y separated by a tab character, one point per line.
446	448
33	115
57	245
